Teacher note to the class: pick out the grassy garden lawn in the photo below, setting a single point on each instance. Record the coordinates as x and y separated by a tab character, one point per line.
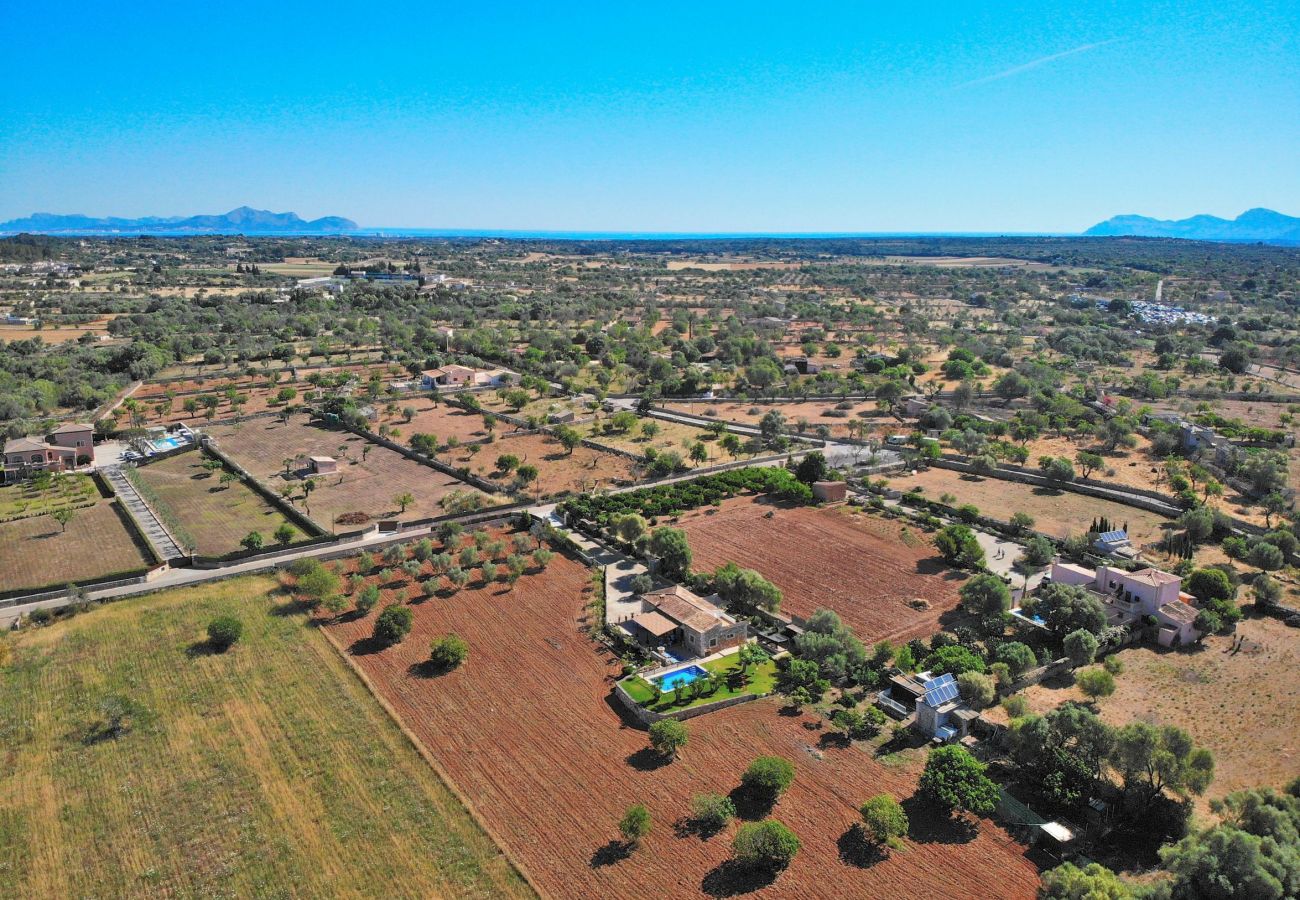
726	676
44	494
232	774
210	515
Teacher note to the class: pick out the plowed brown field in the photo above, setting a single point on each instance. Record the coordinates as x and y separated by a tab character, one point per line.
854	563
525	730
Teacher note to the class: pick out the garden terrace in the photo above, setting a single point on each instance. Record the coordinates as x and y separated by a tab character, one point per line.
817	412
442	420
38	496
670	436
1056	513
558	472
724	676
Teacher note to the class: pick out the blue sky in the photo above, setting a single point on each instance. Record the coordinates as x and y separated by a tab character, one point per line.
706	116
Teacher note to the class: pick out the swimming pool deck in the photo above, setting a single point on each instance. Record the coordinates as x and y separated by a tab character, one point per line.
651	674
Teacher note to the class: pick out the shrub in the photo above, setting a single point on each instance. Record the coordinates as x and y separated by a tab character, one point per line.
712	812
1081	647
448	651
954	659
635	823
1016	706
393	624
668	736
224	632
368	599
976	689
956	781
1096	683
767	777
1017	656
765	845
885	820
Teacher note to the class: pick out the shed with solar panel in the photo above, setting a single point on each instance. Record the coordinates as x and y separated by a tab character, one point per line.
1114	543
940	713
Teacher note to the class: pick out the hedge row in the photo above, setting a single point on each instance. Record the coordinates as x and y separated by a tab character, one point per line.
671	499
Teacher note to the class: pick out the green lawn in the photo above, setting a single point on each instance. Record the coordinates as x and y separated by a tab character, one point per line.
761	680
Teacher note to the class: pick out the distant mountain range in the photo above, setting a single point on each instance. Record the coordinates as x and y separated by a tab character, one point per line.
244	220
1252	225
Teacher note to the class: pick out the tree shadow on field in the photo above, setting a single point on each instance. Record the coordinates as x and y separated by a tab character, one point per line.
614	852
931	565
834	739
929	823
428	669
291	607
750	804
366	646
688	826
647	759
856	850
731	879
200	649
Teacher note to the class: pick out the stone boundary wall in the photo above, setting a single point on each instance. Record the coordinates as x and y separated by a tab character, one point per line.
483	484
93	584
649	717
300	518
1121	496
135	525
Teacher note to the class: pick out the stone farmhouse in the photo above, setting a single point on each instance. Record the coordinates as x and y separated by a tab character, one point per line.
675	617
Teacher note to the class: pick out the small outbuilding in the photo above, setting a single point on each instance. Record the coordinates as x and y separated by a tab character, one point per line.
323	465
830	491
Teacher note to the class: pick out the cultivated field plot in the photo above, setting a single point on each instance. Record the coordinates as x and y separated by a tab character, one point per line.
36	552
525	728
30	497
367	480
544	406
815	412
241	777
1056	513
862	566
670	436
1224	700
586	469
215	516
56	332
444	422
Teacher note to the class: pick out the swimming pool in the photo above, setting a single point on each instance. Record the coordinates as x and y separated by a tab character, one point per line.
169	443
681	676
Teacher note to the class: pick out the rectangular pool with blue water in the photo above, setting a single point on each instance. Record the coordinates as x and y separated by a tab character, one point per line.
687	675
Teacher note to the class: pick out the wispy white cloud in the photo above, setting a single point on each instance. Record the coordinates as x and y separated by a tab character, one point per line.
1034	64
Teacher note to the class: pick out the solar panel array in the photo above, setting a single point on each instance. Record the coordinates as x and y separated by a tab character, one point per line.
1112	536
941	690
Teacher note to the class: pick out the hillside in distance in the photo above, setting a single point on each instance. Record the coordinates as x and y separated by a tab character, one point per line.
244	220
1252	225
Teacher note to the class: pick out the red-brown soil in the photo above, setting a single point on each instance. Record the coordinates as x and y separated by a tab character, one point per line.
864	567
527	731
